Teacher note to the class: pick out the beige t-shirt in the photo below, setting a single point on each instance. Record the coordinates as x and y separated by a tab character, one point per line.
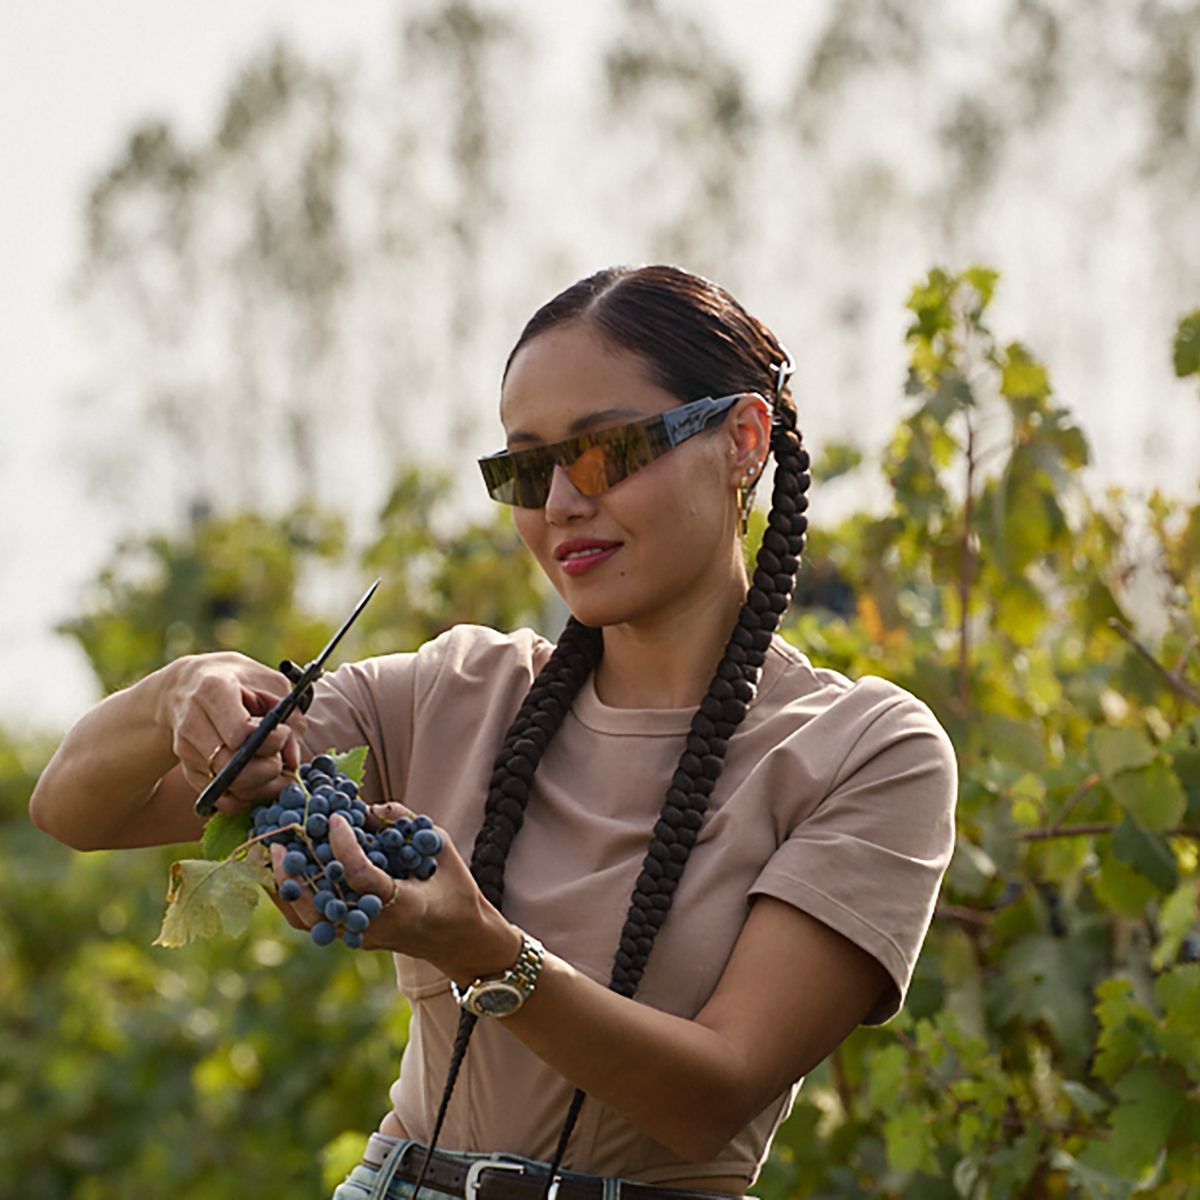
836	797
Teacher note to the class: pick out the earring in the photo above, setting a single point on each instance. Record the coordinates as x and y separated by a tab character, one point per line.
746	497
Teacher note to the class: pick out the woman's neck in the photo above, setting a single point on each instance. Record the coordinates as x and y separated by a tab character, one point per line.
668	662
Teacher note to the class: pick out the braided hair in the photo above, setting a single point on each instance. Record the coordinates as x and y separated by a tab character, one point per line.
695	339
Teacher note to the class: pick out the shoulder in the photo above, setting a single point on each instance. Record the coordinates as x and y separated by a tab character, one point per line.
464	656
850	720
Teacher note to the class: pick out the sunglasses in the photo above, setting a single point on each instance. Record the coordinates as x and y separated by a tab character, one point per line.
594	462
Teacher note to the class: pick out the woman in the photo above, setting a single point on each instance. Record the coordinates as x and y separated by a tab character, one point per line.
680	961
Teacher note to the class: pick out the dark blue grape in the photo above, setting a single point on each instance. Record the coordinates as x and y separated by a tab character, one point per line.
425	868
324	764
371	905
352	939
357	920
391	839
422	822
317	826
336	910
293	796
294	862
347	787
427	841
289	816
321	899
379	859
323	933
324	852
410	856
289	889
335	871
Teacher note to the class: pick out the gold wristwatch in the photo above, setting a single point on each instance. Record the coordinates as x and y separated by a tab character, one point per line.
501	995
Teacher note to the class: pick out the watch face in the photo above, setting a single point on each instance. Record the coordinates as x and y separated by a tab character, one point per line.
495	999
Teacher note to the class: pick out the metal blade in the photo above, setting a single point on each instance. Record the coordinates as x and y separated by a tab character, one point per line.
319	661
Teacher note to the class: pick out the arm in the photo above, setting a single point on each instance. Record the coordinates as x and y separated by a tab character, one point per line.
792	990
128	772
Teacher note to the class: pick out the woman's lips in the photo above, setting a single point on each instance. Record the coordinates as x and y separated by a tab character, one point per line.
582	554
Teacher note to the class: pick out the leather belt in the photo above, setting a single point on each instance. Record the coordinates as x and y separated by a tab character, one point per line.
508	1177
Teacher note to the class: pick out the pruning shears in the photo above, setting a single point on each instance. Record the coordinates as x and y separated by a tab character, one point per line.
300	697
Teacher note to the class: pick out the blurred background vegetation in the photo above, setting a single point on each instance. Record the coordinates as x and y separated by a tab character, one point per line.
967	548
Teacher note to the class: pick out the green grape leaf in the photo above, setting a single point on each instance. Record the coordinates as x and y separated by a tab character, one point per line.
1151	794
1147	853
1121	888
911	1145
1141	1123
1092	1182
205	898
1178	991
1187	346
983	280
223	834
1022	375
1083	1098
1118	750
1125	1026
351	763
1176	916
1042	980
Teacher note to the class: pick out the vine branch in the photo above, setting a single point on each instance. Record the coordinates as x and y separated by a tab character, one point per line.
1174	680
1094	829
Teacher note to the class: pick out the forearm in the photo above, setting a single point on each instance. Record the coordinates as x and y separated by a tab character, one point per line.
102	787
679	1081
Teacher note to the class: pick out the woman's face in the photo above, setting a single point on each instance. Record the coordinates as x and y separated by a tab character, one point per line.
661	541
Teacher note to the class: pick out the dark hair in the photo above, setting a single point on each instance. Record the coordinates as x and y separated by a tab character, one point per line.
695	340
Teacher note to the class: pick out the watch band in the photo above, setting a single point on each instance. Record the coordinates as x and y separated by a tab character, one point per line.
501	995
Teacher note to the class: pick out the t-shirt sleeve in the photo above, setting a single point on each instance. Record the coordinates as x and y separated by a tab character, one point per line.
869	859
354	706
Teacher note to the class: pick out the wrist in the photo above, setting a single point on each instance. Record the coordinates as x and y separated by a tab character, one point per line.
501	995
493	953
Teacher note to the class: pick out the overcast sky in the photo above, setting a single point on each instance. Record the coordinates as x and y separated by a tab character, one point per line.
75	77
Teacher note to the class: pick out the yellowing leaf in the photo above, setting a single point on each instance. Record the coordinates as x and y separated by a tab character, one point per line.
207	897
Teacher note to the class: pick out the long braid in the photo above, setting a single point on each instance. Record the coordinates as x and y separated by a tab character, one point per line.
541	713
724	707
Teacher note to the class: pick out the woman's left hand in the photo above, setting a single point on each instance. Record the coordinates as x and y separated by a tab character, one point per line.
444	919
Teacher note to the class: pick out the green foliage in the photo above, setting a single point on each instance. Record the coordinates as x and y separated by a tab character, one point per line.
1050	1046
1187	346
231	584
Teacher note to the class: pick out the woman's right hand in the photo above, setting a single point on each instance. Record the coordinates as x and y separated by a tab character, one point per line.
215	701
129	770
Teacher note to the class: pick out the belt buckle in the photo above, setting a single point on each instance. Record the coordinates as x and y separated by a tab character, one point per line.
471	1184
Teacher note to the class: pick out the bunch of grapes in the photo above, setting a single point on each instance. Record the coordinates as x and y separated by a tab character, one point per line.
298	820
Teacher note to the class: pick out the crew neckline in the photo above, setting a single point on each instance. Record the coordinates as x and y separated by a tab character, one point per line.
599	717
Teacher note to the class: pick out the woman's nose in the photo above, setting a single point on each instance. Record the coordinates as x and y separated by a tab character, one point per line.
564	501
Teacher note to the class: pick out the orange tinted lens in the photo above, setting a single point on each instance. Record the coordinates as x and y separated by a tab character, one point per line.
589	472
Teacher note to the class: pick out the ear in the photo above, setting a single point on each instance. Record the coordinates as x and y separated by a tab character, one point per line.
749	427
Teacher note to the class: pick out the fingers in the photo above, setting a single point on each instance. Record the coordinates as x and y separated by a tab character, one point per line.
219	703
361	874
379	815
